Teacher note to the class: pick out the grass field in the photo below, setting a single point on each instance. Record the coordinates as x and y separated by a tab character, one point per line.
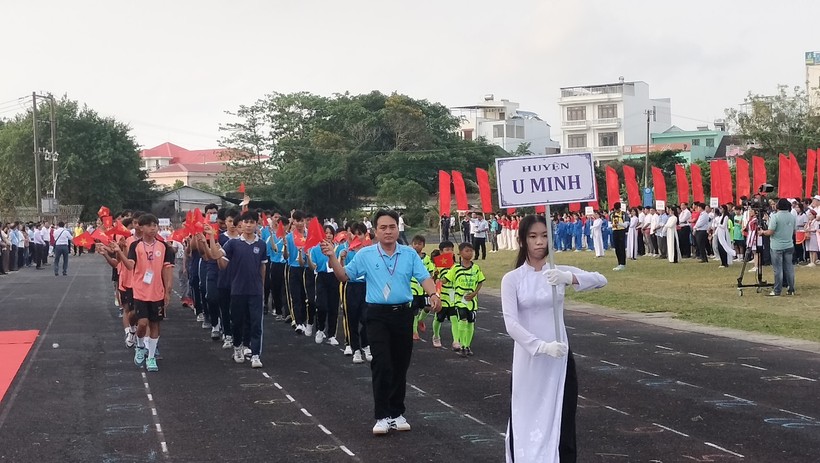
700	293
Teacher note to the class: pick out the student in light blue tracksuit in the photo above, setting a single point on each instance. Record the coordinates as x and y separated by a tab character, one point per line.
588	233
578	232
559	233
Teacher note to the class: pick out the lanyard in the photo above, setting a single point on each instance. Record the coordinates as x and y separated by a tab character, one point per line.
395	265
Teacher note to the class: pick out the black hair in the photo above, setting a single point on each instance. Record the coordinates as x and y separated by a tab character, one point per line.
616	206
445	244
419	239
435	253
464	246
251	216
211	206
298	215
329	227
126	222
136	215
385	212
783	204
358	227
61	224
147	219
524	230
220	213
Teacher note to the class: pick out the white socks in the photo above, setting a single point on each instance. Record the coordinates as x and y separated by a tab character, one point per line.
141	342
152	346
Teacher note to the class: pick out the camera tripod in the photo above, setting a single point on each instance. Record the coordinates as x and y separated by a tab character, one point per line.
759	283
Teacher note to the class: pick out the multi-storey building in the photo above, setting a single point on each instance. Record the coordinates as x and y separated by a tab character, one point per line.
813	79
602	119
502	123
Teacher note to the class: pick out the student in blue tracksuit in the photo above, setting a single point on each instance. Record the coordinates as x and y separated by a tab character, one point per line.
559	234
606	231
588	233
578	232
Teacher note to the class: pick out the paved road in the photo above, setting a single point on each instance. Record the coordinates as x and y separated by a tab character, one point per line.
648	393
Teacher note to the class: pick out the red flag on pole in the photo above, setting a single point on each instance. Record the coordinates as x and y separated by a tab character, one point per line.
633	192
103	212
660	183
811	161
758	172
85	240
783	174
575	207
682	183
461	191
742	179
697	182
315	233
280	230
613	187
510	210
796	184
483	180
443	193
541	209
726	195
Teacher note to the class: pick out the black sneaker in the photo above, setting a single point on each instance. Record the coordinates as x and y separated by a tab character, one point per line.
469	351
463	352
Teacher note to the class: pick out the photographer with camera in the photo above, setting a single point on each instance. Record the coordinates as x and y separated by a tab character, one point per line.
781	231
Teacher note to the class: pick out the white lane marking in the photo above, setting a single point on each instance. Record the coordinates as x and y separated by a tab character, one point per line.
569	327
277	386
698	355
724	450
647	373
796	414
290	397
582	397
801	377
616	410
576	354
625	339
153	411
146	385
475	419
416	388
325	430
597	333
752	366
737	398
664	347
164	447
482	329
687	384
484	362
150	398
610	363
306	412
347	451
265	375
503	434
670	430
159	428
502	334
444	403
144	376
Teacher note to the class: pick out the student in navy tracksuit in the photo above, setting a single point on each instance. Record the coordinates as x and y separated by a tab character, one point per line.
295	282
559	234
209	273
245	259
223	281
578	232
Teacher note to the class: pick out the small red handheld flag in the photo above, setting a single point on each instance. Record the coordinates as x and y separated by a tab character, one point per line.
241	187
98	234
340	237
103	212
179	235
107	222
315	233
355	244
444	260
280	230
85	240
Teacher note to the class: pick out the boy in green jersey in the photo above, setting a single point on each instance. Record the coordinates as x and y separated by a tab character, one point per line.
448	308
466	279
420	304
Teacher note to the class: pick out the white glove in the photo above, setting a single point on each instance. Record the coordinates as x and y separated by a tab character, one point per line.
558	277
553	349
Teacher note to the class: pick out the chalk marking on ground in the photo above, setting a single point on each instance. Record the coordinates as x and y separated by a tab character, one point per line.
475	419
647	373
753	366
616	410
325	430
796	414
698	355
801	377
610	363
664	347
670	430
724	450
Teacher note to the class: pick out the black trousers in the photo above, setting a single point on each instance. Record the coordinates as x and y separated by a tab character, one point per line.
480	246
275	287
724	258
225	310
390	331
701	237
327	303
685	242
296	293
619	243
355	312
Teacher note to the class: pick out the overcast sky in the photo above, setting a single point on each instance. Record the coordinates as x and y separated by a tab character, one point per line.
171	68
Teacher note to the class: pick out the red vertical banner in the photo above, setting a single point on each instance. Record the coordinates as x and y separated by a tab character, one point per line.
575	207
741	179
758	172
461	191
714	178
613	187
811	161
783	173
682	184
726	192
510	210
660	183
796	183
697	183
483	180
541	209
443	193
633	192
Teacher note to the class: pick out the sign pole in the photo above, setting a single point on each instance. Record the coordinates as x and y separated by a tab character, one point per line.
551	259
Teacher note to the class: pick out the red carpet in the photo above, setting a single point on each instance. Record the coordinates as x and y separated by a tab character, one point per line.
14	346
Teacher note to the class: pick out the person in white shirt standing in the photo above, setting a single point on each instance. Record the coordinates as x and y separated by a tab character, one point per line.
62	244
402	236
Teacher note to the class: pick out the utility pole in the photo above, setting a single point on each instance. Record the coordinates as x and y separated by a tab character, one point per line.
51	155
36	153
649	113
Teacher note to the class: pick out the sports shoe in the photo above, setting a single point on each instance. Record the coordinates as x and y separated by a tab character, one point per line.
215	334
255	362
753	270
357	357
320	337
119	314
382	427
130	340
151	364
811	264
309	330
773	294
116	302
469	351
287	319
200	317
246	351
348	351
139	356
157	355
463	352
436	341
300	329
332	341
237	355
416	337
367	354
619	268
228	342
456	346
279	318
206	325
399	423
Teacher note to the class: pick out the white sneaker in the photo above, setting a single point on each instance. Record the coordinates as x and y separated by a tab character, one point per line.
237	355
811	264
200	318
357	357
206	325
300	329
228	342
753	270
332	341
399	424
619	268
348	351
255	362
309	330
367	354
382	426
246	351
116	302
320	337
215	334
130	339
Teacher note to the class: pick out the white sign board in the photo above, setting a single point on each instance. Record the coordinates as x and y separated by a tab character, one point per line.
714	203
536	180
588	210
660	204
164	222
